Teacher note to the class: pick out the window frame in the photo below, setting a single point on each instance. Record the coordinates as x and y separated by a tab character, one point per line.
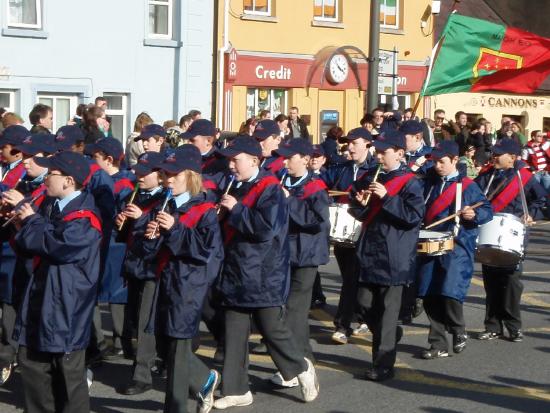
284	110
334	19
11	94
395	26
37	26
119	112
170	5
258	13
73	103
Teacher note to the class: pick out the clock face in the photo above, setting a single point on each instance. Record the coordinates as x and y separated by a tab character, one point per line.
338	69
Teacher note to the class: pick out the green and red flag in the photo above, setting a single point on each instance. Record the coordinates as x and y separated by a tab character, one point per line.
476	55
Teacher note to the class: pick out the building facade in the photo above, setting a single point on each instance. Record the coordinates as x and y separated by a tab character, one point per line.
143	55
312	54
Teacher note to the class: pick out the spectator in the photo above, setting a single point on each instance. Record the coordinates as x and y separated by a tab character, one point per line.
468	160
41	118
185	122
101	102
407	114
10	118
247	128
298	128
77	118
264	114
91	124
518	130
134	149
195	114
441	128
461	130
330	146
505	124
367	122
537	155
282	121
385	121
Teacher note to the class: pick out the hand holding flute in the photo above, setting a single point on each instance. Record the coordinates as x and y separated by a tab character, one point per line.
124	215
153	228
376	188
226	193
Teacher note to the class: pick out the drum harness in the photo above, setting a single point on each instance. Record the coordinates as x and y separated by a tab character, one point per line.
458	202
505	183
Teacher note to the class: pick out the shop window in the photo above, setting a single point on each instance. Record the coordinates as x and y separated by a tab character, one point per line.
63	107
160	19
117	110
389	14
546	124
26	14
473	117
274	100
7	100
260	7
325	10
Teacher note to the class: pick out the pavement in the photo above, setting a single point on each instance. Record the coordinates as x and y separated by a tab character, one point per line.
495	376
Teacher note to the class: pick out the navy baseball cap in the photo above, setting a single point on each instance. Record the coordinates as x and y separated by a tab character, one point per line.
242	144
506	145
295	146
356	134
147	162
109	146
69	163
67	136
411	127
266	128
445	148
13	135
150	130
185	157
317	151
38	143
202	127
390	139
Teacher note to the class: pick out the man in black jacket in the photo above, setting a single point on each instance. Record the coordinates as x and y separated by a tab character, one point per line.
297	126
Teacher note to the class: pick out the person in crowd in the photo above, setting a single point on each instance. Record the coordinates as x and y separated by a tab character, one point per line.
368	123
460	130
9	119
264	114
417	152
408	114
282	121
330	145
297	126
536	154
518	131
442	129
135	148
91	125
195	114
247	127
267	133
41	118
468	161
386	120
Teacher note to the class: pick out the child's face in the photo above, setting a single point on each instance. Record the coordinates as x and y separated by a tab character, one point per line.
297	165
389	158
150	181
317	162
56	183
152	144
176	182
104	162
7	156
446	165
33	170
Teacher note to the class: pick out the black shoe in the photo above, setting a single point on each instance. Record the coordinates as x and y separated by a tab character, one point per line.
459	342
488	335
114	354
379	374
516	336
136	387
433	353
160	370
398	334
418	307
318	302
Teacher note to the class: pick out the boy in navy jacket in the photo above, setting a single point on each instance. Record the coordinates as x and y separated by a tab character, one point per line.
54	319
309	224
391	210
255	278
502	284
179	237
443	280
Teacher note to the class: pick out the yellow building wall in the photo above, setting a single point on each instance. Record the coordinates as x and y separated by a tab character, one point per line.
238	113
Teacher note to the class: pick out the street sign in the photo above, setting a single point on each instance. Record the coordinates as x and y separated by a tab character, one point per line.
385	66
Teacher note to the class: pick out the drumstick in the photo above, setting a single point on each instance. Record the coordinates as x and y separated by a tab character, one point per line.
219	207
442	220
130	201
337	193
373	181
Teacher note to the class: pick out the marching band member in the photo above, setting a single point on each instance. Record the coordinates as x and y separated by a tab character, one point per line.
268	133
308	228
202	134
139	276
55	315
386	249
14	278
255	278
503	287
108	153
443	280
340	177
179	238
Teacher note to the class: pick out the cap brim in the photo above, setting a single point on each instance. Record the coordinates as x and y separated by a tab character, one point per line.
435	154
171	167
43	161
28	149
187	135
382	145
91	148
142	170
229	152
497	151
139	138
284	152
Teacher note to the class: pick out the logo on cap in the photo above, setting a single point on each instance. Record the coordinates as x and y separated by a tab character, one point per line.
60	137
27	140
144	159
171	158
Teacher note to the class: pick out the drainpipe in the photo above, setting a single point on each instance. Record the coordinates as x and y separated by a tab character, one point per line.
221	65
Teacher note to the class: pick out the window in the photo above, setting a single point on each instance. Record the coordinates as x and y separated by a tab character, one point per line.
63	107
117	110
7	100
25	14
403	101
261	7
389	14
274	100
160	19
326	10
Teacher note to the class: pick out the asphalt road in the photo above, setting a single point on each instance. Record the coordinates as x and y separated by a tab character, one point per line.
496	376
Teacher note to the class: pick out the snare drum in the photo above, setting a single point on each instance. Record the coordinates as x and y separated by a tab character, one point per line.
433	243
500	241
343	227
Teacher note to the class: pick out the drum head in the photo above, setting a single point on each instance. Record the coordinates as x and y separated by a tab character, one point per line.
424	234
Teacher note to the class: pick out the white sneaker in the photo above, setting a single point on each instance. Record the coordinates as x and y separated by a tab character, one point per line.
278	379
206	401
339	337
89	378
360	331
234	401
5	373
308	382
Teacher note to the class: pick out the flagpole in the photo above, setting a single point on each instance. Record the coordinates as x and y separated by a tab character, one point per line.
432	62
